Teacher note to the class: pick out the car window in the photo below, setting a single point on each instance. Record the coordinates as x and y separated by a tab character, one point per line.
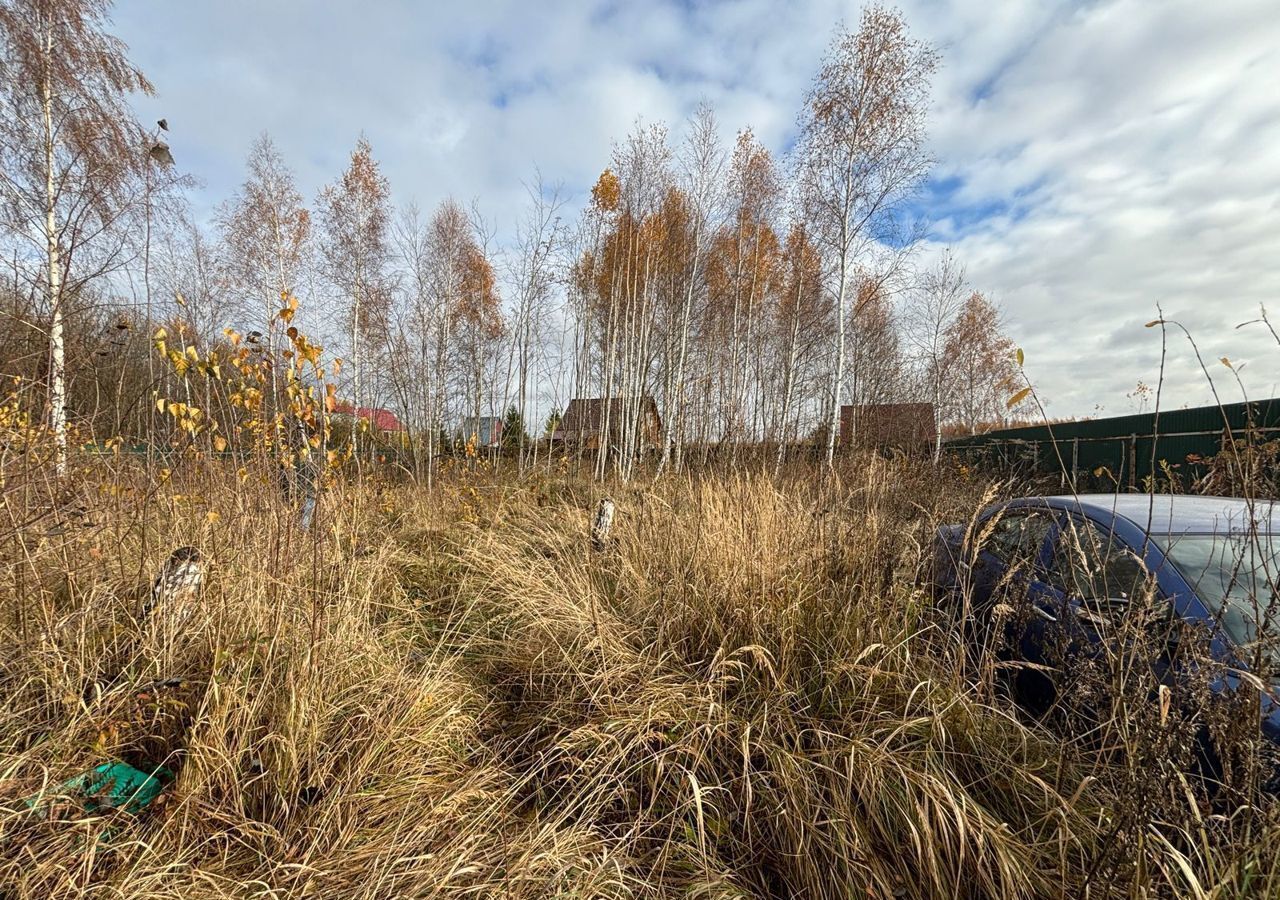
1091	562
1018	536
1237	576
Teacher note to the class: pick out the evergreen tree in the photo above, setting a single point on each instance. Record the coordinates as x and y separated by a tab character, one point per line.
514	435
553	422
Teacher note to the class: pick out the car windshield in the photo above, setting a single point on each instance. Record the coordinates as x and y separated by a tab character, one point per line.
1235	575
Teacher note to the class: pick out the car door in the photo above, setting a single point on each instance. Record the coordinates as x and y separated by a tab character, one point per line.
1090	578
1095	576
1012	578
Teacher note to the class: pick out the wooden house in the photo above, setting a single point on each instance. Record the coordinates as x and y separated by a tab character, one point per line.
905	426
585	419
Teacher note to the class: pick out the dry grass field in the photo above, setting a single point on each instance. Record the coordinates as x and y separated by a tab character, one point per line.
449	693
561	523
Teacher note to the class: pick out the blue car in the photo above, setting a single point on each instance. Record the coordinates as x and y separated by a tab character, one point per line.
1048	578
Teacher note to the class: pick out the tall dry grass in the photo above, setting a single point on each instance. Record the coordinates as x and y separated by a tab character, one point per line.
748	694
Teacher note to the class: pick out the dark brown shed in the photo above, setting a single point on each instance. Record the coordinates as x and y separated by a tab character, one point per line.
906	426
584	420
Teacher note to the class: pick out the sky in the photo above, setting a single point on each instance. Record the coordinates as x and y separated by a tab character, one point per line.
1094	160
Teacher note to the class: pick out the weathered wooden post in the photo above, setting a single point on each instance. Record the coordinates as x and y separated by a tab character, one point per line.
602	524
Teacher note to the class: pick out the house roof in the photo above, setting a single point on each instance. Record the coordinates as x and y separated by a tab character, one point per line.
587	414
381	419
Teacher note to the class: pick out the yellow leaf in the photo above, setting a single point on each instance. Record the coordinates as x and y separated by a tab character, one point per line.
1226	362
211	517
161	334
219	443
242	473
1018	397
1153	323
1020	357
160	404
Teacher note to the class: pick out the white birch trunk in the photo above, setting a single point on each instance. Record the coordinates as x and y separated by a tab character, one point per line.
837	379
57	342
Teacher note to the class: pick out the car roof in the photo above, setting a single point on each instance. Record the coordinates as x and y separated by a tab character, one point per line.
1178	513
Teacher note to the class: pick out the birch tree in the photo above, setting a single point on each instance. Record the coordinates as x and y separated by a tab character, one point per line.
354	246
479	328
744	259
531	273
266	236
702	163
862	157
266	229
799	314
415	322
72	157
980	364
939	297
875	360
628	199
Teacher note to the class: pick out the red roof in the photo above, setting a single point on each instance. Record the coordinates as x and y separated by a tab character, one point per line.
381	419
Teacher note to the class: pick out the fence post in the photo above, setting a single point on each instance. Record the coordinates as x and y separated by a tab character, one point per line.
1133	461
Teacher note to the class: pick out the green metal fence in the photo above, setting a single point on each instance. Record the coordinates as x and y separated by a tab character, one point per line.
1124	451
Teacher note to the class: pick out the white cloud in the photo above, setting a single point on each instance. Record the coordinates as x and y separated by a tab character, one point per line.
1147	134
1121	153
